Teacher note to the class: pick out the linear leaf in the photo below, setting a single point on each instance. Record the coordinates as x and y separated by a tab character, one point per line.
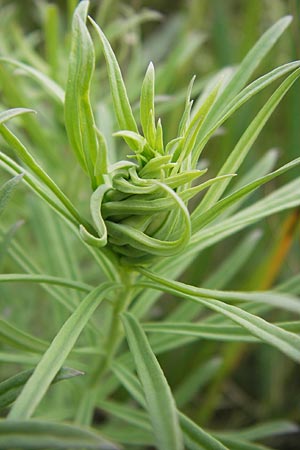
245	95
53	359
42	435
79	118
159	400
203	218
194	436
14	112
286	342
246	141
213	331
40	173
281	300
10	388
246	69
57	281
121	103
147	105
283	198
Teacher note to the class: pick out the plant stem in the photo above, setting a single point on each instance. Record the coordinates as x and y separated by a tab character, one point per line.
112	342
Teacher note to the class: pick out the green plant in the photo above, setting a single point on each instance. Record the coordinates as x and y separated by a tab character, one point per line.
143	235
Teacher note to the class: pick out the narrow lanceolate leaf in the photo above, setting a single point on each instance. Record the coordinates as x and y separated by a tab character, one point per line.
121	103
7	189
42	435
159	400
29	160
195	437
204	331
190	136
147	105
79	117
216	332
47	279
245	95
11	113
245	143
284	301
283	198
10	388
202	219
37	385
286	342
246	69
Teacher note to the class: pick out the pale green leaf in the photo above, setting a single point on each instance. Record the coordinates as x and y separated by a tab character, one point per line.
246	68
245	95
48	279
286	342
245	143
28	159
121	103
53	359
194	436
11	113
11	387
42	435
200	219
79	116
147	105
218	332
159	400
283	198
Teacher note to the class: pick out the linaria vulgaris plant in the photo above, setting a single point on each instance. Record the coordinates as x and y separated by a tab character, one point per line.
145	226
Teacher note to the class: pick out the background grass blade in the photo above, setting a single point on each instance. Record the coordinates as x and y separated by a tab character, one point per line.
7	189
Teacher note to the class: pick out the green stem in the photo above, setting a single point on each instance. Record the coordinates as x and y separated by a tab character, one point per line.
112	343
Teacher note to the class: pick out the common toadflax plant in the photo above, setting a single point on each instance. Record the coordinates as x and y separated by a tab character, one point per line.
146	225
